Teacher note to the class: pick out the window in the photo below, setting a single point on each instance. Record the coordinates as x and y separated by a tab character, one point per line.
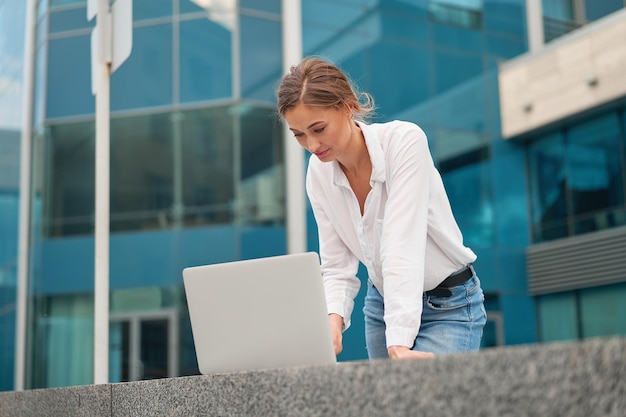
205	58
595	183
559	18
595	9
547	188
577	179
466	13
466	181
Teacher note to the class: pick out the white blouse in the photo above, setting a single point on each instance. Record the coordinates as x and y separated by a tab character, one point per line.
407	237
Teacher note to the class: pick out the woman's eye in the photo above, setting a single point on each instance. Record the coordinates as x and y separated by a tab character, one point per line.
320	130
298	134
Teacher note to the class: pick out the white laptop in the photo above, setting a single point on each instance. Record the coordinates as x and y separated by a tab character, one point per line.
259	314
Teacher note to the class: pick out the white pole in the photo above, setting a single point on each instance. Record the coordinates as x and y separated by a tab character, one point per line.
101	261
21	302
294	155
534	25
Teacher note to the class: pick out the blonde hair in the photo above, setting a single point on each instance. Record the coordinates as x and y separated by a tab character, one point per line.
317	82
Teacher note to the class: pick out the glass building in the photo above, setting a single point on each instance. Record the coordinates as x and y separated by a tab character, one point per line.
198	166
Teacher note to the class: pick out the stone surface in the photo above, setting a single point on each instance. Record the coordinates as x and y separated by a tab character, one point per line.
564	379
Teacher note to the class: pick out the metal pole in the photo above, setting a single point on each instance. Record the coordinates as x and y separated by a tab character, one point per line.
21	301
294	155
534	25
101	261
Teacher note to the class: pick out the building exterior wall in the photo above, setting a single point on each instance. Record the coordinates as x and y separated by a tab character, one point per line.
571	75
566	104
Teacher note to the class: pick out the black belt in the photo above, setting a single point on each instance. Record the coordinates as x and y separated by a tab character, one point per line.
459	277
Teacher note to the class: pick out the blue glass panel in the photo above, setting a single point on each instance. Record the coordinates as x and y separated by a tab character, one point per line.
336	15
457	38
407	8
557	314
261	65
69	59
54	3
463	107
509	185
259	242
453	69
194	6
505	17
151	9
403	28
595	9
558	9
145	79
207	165
603	311
505	47
519	317
398	77
594	172
141	193
71	19
466	180
547	181
69	185
271	6
465	13
205	60
347	47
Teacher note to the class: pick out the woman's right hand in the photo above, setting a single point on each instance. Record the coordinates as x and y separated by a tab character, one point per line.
336	330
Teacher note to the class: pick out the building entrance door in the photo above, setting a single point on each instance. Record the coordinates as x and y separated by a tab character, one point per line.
143	346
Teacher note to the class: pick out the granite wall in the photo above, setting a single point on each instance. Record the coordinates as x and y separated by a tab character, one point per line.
561	379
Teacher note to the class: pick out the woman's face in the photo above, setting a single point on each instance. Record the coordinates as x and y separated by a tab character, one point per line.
322	131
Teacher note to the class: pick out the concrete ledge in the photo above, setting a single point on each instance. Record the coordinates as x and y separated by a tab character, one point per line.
564	379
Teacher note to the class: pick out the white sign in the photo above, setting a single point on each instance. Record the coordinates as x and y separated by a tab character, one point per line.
111	37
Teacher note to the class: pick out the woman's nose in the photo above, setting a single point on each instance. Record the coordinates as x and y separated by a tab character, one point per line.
312	144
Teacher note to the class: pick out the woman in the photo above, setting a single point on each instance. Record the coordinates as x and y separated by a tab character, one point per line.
378	199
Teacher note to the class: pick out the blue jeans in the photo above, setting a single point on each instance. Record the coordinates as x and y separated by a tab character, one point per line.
449	324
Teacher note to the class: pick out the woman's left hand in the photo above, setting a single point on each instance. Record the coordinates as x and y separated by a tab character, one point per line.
403	352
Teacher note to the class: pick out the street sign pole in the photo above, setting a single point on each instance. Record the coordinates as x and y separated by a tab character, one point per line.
111	43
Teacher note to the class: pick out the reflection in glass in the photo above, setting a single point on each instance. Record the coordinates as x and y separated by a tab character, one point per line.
262	172
145	78
466	178
69	59
260	58
141	172
207	166
68	180
595	182
467	13
63	330
577	179
546	159
205	60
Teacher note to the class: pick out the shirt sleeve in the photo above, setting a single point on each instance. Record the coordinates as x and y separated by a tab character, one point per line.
339	265
403	238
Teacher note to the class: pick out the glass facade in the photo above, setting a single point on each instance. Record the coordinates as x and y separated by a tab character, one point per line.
577	177
196	177
197	167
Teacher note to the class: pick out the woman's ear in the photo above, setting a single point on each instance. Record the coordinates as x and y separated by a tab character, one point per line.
349	109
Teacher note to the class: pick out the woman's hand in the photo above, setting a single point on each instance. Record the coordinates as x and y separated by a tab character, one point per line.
336	329
403	352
